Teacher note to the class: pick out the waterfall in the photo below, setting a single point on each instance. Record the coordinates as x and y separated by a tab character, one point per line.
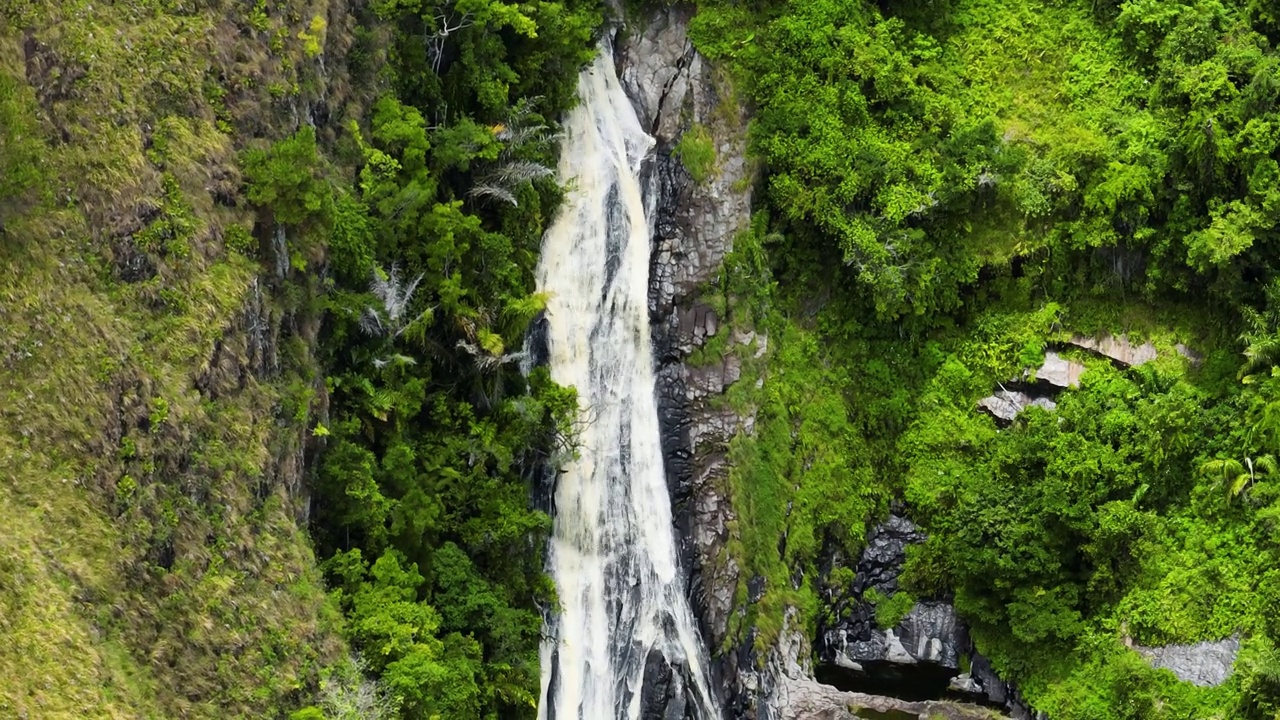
624	641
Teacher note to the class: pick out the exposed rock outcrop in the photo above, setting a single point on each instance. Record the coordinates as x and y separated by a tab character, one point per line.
695	224
1121	350
1058	371
1205	663
1038	387
923	656
1118	348
930	633
809	699
1006	404
792	694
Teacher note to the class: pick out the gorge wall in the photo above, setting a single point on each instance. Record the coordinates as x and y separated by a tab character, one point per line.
695	224
699	214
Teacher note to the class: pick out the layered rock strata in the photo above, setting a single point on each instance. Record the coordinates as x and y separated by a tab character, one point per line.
695	224
923	655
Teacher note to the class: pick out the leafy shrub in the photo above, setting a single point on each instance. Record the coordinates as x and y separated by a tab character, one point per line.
288	179
890	609
697	150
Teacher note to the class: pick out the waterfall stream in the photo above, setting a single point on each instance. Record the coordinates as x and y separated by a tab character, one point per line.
624	643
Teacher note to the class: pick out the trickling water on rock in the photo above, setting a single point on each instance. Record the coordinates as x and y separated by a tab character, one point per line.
624	644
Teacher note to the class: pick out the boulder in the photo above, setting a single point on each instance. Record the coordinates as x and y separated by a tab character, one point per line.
1059	371
1006	404
1118	348
1205	664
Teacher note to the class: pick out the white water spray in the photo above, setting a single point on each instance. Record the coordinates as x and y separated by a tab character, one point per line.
613	550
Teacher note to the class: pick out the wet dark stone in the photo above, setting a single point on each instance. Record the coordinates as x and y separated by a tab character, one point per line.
906	682
536	340
662	696
131	264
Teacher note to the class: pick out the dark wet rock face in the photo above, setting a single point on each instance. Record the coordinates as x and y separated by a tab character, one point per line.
923	657
930	633
884	555
663	696
671	87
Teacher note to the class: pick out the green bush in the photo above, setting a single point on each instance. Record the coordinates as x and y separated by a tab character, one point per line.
891	609
697	151
288	179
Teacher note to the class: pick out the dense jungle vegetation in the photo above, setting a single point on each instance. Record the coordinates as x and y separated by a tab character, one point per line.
258	252
268	267
992	178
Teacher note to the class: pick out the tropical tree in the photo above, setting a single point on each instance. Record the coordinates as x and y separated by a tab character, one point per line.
1236	477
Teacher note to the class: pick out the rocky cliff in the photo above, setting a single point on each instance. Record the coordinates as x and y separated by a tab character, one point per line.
698	214
673	90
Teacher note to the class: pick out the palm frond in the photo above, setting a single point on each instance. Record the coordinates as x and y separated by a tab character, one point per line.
1221	468
1238	485
515	172
497	192
1265	465
371	322
393	294
1260	354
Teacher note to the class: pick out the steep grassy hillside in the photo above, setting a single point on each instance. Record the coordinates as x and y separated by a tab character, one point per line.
262	257
155	379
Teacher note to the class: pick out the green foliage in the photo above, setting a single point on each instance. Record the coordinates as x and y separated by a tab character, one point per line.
434	437
892	609
697	151
288	178
313	36
238	239
951	188
171	231
802	474
920	146
140	366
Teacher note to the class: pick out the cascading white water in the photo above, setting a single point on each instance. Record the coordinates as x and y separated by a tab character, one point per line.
613	550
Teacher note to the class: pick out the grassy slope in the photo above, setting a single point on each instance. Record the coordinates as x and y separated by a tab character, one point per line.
152	562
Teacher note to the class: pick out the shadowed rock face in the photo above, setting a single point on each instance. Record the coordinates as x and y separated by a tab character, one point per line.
920	658
794	695
930	633
671	87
